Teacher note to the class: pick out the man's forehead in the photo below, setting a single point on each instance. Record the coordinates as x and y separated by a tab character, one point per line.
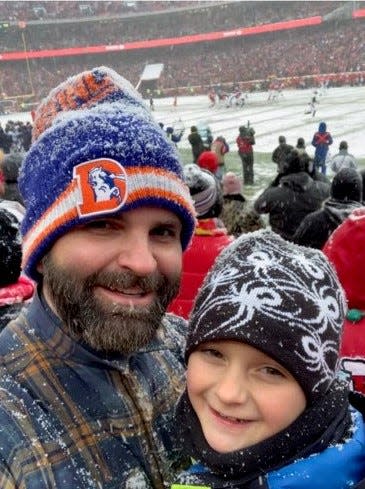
150	214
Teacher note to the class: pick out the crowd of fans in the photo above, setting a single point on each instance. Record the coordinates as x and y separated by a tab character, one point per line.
193	20
332	48
34	10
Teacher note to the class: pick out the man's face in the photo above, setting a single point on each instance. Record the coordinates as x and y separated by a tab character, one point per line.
110	281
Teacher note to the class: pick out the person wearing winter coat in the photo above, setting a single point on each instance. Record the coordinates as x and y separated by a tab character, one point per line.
345	197
9	166
322	139
245	141
16	290
91	371
345	250
238	215
208	241
265	406
291	196
280	153
220	147
343	159
196	143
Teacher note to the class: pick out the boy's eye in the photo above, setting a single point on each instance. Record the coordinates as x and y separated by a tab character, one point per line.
272	371
211	352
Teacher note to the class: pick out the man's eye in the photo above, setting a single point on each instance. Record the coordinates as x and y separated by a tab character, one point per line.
98	225
165	231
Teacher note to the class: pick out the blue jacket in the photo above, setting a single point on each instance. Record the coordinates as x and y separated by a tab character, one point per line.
73	419
337	467
321	140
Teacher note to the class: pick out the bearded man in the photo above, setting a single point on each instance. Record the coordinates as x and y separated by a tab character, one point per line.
91	371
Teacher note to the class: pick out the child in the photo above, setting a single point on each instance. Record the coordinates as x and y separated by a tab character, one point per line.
264	406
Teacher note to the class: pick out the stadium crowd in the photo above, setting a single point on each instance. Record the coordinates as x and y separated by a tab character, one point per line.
224	62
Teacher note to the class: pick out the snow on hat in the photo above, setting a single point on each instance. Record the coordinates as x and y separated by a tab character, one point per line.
232	184
96	151
205	191
208	160
280	298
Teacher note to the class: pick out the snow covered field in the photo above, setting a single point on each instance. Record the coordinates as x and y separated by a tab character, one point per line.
343	109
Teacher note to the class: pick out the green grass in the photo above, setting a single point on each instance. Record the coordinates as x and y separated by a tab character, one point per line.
264	169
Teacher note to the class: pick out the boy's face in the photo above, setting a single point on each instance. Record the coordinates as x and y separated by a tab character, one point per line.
240	395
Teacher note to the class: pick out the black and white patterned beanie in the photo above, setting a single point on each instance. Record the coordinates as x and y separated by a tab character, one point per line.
280	298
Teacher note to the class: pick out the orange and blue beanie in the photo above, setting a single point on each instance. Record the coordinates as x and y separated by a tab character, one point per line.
96	151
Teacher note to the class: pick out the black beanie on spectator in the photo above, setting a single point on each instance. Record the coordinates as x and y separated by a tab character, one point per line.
347	185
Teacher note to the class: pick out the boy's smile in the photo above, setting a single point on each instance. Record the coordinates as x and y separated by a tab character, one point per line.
240	395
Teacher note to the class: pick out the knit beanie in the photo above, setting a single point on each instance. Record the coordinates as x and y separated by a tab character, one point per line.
10	248
205	191
280	298
96	151
347	185
208	160
294	162
232	184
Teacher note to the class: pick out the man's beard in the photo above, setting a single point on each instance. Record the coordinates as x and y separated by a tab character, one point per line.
109	327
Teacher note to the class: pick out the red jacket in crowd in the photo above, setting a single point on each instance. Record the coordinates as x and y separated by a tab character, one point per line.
208	241
345	249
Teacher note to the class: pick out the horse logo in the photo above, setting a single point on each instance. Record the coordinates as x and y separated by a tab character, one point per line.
103	186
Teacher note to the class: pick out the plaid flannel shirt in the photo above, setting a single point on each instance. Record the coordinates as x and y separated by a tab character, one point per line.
71	419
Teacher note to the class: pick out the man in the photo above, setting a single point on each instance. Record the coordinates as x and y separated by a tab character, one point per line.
343	159
345	197
245	141
322	139
91	371
291	196
280	153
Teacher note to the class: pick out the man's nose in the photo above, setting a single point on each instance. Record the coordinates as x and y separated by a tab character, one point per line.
137	255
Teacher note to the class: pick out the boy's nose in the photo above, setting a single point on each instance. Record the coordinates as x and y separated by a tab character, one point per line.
232	389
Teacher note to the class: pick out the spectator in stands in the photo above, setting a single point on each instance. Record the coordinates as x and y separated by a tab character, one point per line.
209	161
238	214
91	372
291	196
220	148
265	406
196	142
345	250
245	141
209	239
280	152
5	141
343	159
15	290
9	167
322	139
300	147
345	197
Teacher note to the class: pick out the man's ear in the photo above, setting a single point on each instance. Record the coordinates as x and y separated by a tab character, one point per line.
40	267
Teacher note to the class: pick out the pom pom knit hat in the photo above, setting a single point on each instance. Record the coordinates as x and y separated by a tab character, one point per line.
280	298
205	191
96	152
